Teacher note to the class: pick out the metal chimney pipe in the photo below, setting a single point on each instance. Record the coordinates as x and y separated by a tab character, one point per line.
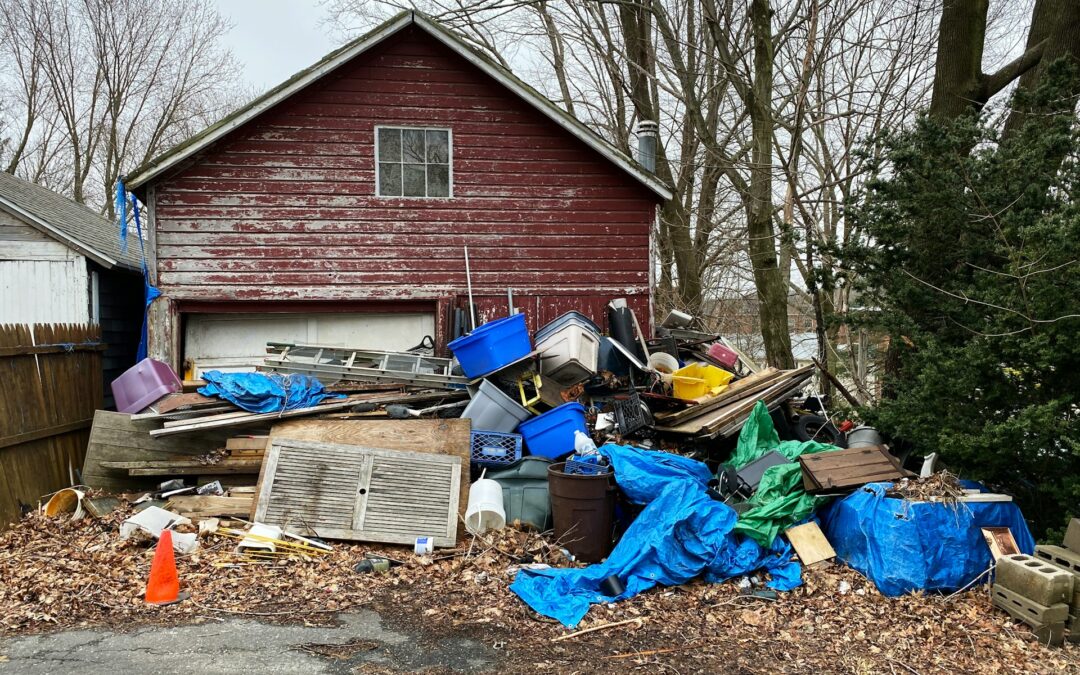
648	138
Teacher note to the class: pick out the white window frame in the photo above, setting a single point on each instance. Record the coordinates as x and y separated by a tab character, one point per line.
450	162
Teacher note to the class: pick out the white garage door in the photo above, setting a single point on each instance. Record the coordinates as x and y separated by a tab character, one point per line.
237	342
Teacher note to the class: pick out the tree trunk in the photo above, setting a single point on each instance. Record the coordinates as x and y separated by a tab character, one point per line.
958	74
768	277
1055	24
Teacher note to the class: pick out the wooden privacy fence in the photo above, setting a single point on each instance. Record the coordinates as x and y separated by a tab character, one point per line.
50	386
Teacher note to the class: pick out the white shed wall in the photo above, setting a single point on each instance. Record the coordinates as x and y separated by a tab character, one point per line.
41	280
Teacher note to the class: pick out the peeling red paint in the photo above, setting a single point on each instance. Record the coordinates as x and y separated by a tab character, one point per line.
284	209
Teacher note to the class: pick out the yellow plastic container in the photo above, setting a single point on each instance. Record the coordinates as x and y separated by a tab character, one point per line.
699	379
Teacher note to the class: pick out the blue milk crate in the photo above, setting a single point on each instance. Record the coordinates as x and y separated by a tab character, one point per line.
494	448
585	468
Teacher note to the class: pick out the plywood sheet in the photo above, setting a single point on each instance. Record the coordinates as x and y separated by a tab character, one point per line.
810	544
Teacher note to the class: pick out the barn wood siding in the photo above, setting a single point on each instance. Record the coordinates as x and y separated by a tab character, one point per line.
284	208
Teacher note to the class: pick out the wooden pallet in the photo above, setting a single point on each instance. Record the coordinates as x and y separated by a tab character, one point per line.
842	471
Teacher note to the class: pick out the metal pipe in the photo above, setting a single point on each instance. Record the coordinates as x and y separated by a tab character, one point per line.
468	280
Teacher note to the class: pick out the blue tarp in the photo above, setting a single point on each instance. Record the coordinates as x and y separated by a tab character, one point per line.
908	546
682	533
265	392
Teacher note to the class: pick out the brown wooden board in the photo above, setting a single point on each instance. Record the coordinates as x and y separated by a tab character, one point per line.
810	543
845	470
115	437
247	443
211	505
440	437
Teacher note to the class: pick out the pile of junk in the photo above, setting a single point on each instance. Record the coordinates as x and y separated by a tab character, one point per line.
650	459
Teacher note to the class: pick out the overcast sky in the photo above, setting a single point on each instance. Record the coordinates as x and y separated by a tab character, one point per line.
276	38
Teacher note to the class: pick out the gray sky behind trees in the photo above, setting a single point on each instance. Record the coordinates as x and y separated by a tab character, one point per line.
276	38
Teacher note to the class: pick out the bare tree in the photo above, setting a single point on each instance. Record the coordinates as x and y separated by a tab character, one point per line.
103	85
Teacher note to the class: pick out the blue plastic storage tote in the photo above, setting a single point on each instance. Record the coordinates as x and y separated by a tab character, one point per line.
551	435
492	346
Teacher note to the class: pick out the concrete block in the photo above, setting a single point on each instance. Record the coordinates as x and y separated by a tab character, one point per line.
1037	580
1027	610
1059	556
1072	536
1047	622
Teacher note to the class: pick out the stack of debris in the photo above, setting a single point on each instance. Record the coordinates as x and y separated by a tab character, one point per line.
1044	591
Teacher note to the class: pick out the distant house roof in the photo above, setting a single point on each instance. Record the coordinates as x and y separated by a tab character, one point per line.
67	221
154	167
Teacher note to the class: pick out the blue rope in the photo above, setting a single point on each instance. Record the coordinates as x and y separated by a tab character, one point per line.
121	213
151	292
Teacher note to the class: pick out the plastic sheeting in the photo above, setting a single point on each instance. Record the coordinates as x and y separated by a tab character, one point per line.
908	546
780	500
265	392
682	533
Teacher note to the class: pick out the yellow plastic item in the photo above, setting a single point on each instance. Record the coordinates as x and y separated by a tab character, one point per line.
699	379
530	403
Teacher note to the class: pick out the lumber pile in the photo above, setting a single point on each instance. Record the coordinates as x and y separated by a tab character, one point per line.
724	415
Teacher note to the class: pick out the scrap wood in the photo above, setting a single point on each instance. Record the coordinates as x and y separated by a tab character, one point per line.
210	505
810	543
941	486
640	621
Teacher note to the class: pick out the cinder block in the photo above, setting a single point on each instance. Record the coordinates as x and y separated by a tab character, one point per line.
1072	536
1037	580
1048	623
1028	611
1059	556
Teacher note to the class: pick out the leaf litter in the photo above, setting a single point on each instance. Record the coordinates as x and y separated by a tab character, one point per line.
57	574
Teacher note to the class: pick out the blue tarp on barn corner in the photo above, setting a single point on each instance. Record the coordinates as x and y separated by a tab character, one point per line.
908	546
682	533
265	392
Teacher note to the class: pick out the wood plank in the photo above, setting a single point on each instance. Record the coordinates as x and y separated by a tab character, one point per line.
810	543
115	437
47	432
210	505
247	443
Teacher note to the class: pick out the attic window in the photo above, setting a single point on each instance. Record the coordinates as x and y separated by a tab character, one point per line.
413	162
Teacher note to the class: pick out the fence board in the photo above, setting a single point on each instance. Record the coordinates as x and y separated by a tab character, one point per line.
51	375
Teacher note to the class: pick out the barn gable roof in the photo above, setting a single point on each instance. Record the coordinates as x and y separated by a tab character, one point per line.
73	224
155	167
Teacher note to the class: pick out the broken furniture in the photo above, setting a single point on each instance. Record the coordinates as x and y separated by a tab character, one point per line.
331	364
845	470
359	493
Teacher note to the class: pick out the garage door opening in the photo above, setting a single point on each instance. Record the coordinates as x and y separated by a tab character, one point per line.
237	342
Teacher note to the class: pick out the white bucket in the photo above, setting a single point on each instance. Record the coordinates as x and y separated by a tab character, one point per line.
485	510
663	362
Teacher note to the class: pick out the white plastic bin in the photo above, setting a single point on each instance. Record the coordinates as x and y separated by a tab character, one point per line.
569	355
492	410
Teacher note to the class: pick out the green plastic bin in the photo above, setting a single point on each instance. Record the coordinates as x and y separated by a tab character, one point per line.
525	492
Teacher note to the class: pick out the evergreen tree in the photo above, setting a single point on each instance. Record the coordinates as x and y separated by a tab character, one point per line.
970	262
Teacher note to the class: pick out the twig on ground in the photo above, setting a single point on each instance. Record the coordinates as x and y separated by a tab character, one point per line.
639	621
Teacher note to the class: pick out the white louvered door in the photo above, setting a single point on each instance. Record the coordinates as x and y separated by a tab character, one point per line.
357	493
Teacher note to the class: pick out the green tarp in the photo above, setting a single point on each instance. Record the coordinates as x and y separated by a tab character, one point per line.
780	500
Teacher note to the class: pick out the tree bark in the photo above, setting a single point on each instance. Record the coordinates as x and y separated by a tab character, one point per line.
960	86
1055	24
768	277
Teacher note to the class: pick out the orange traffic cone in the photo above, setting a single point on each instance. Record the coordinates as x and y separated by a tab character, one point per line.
163	587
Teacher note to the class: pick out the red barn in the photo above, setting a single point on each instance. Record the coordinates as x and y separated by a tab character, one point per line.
336	208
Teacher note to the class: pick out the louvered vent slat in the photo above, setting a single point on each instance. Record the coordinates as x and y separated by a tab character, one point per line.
358	493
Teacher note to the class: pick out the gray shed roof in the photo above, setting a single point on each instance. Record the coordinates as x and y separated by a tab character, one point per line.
67	221
138	178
